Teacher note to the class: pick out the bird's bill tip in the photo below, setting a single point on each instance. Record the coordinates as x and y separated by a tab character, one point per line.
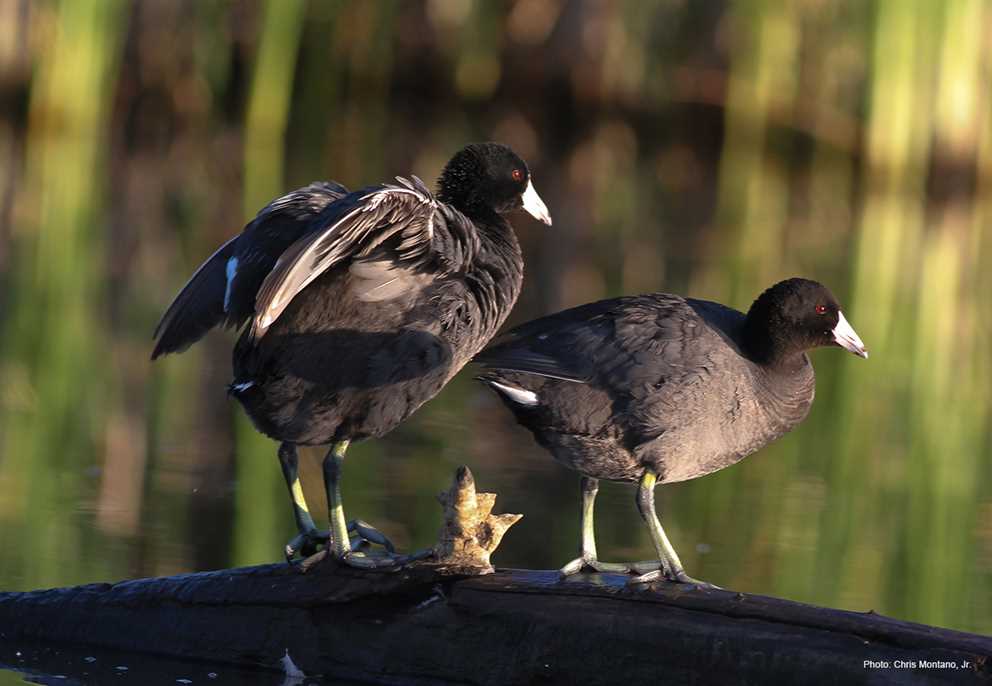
534	206
846	337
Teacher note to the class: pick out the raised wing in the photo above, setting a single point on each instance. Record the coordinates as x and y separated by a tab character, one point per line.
222	290
197	308
395	220
275	228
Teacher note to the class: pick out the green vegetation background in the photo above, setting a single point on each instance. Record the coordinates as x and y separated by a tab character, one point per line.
708	148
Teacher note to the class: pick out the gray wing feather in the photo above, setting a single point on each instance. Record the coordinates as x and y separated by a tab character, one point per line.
406	210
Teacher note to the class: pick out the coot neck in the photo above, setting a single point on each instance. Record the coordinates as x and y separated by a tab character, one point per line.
776	356
492	226
469	204
785	391
501	261
768	339
497	270
496	274
784	377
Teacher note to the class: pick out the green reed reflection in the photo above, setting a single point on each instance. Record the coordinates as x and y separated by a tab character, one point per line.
52	339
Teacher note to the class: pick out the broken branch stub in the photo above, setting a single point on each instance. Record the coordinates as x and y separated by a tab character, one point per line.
470	532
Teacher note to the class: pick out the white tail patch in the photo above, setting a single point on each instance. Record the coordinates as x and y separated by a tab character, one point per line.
243	386
231	271
517	395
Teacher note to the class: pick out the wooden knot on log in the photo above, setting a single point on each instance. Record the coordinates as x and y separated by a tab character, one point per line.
470	532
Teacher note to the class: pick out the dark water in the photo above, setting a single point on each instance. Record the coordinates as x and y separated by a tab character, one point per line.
62	665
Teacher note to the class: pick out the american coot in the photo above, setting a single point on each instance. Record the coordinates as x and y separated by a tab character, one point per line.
357	308
659	388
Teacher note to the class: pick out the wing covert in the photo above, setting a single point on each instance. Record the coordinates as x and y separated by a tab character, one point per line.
626	338
397	219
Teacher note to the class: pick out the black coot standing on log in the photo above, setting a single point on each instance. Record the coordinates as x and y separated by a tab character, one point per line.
660	388
359	308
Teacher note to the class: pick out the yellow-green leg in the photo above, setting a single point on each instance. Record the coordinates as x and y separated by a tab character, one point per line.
342	547
587	556
308	536
671	566
333	464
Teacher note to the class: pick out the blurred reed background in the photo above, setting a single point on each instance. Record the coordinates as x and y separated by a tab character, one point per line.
707	148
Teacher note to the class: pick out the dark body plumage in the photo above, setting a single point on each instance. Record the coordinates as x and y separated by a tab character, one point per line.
357	307
663	382
660	388
371	339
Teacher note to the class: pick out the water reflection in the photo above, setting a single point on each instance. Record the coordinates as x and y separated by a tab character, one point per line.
65	665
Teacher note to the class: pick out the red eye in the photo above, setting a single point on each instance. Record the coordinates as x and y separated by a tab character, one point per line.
821	309
518	175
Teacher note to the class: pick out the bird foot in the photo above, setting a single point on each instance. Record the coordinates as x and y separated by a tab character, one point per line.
305	544
388	562
674	576
590	562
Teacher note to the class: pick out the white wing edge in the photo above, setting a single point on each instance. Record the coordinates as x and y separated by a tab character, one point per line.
265	319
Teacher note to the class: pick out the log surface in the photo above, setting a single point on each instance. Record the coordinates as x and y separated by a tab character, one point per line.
513	627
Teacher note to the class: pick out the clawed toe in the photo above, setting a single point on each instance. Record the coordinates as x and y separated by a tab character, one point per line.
367	532
649	577
683	578
388	562
573	567
678	577
305	544
589	562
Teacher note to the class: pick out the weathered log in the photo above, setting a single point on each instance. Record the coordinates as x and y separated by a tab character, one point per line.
513	627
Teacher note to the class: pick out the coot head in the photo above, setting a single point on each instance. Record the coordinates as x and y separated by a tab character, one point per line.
483	178
796	315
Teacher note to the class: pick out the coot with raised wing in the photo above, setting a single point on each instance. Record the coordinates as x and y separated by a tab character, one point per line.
358	307
660	388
